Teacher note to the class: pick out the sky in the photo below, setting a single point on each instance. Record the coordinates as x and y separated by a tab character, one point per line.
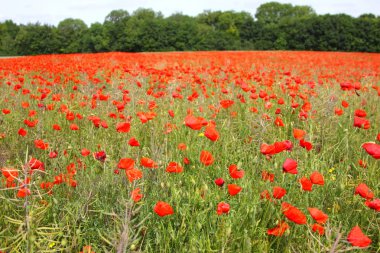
91	11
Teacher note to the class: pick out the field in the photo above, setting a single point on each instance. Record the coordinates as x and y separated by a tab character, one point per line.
190	152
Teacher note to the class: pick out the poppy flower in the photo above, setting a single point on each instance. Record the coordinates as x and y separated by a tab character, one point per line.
136	195
317	178
133	174
374	204
23	192
35	164
298	133
74	127
265	195
278	122
364	191
278	192
206	158
290	166
182	146
361	123
372	149
338	111
126	163
345	104
234	189
360	113
226	103
219	182
162	209
194	122
123	127
306	184
211	133
53	154
174	167
31	123
293	213
85	152
100	156
223	208
234	172
40	144
148	163
279	230
305	144
265	175
133	142
22	132
357	238
56	127
318	215
318	229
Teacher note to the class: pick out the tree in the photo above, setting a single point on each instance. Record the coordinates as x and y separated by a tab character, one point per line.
70	32
114	28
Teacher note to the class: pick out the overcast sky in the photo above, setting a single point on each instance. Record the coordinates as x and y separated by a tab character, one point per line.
91	11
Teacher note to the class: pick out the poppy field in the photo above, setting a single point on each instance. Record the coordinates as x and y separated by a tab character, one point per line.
190	152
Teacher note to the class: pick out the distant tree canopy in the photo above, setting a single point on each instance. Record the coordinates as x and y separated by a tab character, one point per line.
275	26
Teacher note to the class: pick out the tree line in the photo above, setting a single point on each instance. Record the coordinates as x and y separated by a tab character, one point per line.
275	26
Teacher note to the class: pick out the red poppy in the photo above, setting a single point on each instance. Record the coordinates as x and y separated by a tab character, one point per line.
298	133
372	149
126	163
133	174
133	142
233	189
31	123
279	230
6	111
100	156
23	192
148	163
278	192
374	204
41	144
317	178
56	127
74	127
338	111
265	175
85	152
305	144
223	208
290	166
234	172
293	213
318	215
306	184
318	228
35	164
226	103
22	132
194	122
357	238
345	104
361	123
360	113
206	158
123	127
364	191
162	209
136	195
171	113
211	133
219	182
278	122
182	146
174	167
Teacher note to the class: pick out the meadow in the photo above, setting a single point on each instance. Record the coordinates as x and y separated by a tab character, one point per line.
190	152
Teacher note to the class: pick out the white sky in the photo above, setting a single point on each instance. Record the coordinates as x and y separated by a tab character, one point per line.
91	11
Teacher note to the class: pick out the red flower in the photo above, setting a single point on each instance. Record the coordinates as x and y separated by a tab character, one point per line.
74	127
133	174
290	166
361	123
360	113
41	144
211	133
364	191
357	238
162	209
100	156
133	142
278	192
219	182
265	175
293	213
278	122
279	230
148	163
226	103
374	204
234	172
182	146
194	122
317	178
56	127
123	127
306	144
372	149
306	184
126	163
136	195
22	132
234	189
206	158
318	215
174	167
35	164
298	133
222	208
23	192
318	228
